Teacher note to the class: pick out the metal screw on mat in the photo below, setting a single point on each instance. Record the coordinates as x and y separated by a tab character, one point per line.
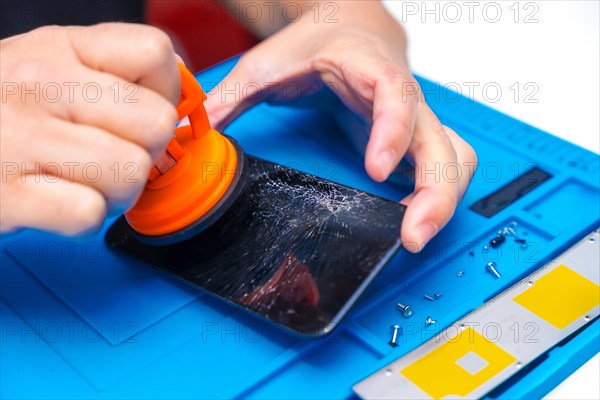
460	273
522	242
508	230
407	311
491	268
395	330
429	321
428	297
437	296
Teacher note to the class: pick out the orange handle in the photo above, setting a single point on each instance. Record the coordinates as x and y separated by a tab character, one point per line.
190	103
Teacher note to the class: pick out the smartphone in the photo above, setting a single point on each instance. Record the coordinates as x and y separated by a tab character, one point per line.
294	249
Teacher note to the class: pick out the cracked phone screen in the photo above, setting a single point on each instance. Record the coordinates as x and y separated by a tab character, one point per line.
293	248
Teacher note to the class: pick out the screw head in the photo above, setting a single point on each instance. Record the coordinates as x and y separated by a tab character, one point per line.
395	330
491	268
407	312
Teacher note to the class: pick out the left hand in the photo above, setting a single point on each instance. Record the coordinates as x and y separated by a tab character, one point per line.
363	59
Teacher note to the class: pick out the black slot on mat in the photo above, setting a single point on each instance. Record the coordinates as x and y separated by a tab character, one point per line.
511	192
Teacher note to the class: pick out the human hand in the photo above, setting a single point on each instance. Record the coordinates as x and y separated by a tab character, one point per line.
362	58
86	111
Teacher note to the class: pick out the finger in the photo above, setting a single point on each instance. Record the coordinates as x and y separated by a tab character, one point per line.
436	196
467	162
256	75
129	110
227	100
137	53
247	85
394	114
68	208
115	167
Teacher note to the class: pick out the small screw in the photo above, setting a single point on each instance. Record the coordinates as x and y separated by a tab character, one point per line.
429	321
522	242
395	330
407	311
460	273
437	295
491	268
428	297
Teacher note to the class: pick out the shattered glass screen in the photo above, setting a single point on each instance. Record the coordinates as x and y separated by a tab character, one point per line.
295	249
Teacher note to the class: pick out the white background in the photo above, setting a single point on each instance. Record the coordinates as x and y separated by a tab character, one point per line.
553	47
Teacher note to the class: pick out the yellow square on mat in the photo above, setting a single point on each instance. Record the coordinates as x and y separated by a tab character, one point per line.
458	366
560	297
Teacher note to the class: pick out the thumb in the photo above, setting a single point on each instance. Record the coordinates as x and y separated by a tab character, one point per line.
240	90
179	59
257	76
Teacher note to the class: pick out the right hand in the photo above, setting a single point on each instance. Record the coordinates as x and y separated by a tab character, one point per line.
77	137
362	58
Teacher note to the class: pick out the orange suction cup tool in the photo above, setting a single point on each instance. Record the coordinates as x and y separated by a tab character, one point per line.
194	182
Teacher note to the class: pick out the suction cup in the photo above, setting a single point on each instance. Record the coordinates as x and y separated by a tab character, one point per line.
210	217
194	182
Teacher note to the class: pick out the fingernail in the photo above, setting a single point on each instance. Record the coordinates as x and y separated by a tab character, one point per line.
387	161
424	233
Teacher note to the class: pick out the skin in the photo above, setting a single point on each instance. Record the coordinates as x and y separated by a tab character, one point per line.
363	59
75	130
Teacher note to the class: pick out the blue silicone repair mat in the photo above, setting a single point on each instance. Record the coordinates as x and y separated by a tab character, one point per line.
80	321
